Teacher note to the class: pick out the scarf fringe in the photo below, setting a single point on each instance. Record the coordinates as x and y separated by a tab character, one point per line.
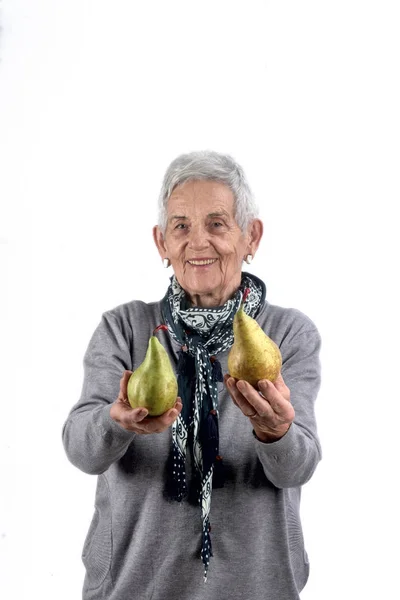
216	369
209	440
219	473
183	362
185	367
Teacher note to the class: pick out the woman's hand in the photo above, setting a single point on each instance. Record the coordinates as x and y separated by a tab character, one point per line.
268	409
134	419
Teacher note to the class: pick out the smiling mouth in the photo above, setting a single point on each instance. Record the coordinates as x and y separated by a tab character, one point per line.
202	263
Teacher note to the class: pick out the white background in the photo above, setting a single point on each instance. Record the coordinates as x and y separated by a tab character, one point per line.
96	99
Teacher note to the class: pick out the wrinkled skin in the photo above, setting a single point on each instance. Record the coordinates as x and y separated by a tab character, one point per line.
201	225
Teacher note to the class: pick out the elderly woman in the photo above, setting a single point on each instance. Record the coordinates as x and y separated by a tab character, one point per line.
211	487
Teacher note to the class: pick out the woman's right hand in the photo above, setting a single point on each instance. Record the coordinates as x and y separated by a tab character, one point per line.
134	419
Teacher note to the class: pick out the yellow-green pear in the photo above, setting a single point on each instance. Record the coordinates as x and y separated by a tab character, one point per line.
254	355
153	385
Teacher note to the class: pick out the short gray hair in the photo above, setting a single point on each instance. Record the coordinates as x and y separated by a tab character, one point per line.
207	164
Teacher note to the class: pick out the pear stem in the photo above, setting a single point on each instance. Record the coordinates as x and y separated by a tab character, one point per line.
245	294
164	327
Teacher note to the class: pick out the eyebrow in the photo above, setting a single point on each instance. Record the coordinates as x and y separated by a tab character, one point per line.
174	217
222	213
212	215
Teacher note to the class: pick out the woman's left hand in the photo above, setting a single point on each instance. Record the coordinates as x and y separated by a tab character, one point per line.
268	408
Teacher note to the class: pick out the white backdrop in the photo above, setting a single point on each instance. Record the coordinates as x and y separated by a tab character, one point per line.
96	99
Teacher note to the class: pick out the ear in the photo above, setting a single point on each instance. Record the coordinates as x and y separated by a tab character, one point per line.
159	241
255	233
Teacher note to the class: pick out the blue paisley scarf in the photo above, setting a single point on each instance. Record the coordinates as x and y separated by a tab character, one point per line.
202	334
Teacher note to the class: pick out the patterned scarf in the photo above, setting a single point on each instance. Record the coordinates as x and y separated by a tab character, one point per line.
202	334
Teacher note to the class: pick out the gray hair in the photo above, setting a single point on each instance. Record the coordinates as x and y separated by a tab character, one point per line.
207	164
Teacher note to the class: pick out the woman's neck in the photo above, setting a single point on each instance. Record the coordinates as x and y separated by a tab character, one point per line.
209	300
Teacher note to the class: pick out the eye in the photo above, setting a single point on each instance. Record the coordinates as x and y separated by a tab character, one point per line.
217	224
180	226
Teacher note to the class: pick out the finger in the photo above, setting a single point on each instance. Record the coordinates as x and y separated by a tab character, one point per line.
272	395
138	414
239	399
123	384
171	415
127	417
279	380
158	424
226	378
276	400
162	422
254	400
130	418
282	388
230	383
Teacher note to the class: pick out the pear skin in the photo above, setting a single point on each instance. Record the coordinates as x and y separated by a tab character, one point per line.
254	355
153	385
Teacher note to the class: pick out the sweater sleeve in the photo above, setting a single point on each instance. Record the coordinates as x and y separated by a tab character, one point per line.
291	461
91	438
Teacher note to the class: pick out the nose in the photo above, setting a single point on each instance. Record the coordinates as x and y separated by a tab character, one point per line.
198	238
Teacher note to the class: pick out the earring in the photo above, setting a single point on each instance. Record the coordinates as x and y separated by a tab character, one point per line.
166	263
249	258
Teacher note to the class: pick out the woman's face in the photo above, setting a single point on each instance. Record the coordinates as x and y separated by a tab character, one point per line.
204	243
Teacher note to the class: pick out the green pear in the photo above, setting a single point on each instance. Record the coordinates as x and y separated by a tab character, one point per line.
153	385
254	355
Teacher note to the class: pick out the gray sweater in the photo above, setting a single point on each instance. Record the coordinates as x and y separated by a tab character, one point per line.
142	546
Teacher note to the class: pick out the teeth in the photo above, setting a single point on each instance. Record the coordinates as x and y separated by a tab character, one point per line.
202	262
